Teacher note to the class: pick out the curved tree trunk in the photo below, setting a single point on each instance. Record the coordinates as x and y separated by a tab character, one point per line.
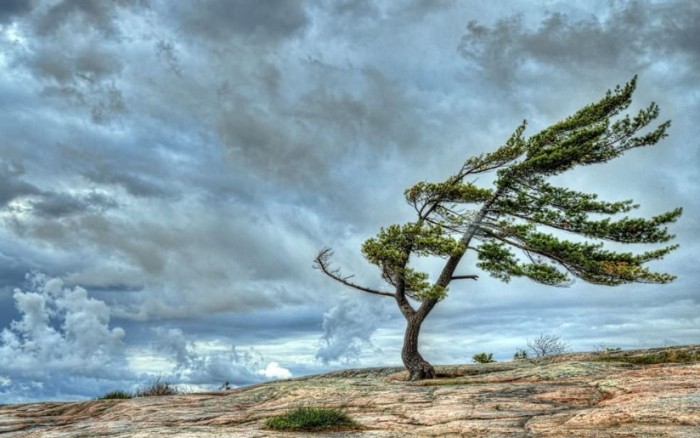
418	368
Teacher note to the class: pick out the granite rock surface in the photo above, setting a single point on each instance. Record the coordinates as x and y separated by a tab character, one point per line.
654	393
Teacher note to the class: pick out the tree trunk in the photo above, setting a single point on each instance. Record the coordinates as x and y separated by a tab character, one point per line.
418	368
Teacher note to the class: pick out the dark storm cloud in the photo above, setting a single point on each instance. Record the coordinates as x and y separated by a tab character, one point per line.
9	9
134	184
56	205
11	184
43	203
98	15
80	76
71	47
633	37
303	141
141	172
71	63
421	7
357	9
219	20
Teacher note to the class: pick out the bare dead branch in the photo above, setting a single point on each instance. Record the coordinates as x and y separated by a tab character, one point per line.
322	262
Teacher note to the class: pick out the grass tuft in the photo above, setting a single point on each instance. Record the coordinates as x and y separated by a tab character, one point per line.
118	394
312	419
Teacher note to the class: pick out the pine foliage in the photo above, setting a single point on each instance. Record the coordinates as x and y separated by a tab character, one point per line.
519	227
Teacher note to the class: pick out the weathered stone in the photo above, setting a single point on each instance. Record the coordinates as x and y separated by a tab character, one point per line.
577	395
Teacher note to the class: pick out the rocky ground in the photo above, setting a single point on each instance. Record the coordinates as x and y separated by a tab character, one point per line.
644	393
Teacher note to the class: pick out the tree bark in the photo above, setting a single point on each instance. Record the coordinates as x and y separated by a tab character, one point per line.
418	368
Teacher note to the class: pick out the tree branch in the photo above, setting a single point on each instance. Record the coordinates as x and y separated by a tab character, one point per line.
465	277
453	260
322	262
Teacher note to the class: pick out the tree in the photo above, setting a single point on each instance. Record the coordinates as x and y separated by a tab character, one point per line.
522	213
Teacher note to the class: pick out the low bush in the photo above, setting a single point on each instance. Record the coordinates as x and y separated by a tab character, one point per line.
157	388
546	345
483	358
520	354
312	419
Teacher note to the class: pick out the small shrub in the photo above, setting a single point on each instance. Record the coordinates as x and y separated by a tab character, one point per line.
547	345
520	354
157	388
483	358
118	394
312	419
602	348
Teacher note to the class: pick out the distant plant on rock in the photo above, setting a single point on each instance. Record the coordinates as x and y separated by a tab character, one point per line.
547	345
483	358
118	394
602	348
157	388
520	354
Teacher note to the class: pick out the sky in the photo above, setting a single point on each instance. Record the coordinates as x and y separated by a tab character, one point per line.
169	170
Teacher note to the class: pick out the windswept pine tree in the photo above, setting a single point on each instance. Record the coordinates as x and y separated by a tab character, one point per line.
518	227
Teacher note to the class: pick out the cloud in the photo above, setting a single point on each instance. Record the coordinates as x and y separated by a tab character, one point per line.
85	14
215	366
9	9
134	184
273	370
11	186
218	20
348	329
61	332
19	198
55	205
176	256
632	37
76	69
305	140
38	342
63	346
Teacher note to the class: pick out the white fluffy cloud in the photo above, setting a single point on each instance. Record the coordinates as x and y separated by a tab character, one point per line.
63	346
273	370
60	329
61	332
